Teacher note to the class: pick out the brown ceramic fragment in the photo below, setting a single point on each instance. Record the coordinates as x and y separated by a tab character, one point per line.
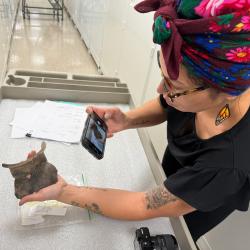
33	174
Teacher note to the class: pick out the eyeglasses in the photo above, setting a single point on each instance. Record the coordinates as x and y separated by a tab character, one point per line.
172	95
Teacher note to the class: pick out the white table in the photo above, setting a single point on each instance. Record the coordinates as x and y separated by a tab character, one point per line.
124	166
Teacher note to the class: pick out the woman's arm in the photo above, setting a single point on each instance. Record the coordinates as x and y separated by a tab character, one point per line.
125	205
149	114
117	204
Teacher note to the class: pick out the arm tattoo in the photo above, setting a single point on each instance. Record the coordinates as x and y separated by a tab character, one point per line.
141	122
92	207
93	188
158	197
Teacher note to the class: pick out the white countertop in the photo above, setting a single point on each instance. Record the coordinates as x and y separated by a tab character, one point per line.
125	166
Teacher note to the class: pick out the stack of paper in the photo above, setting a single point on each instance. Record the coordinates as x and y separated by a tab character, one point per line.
50	120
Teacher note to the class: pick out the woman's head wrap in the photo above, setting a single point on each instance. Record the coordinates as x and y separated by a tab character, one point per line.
215	49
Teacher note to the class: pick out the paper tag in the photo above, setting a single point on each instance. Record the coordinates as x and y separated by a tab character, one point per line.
26	219
31	220
33	212
42	209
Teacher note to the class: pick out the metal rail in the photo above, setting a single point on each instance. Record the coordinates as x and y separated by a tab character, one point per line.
56	9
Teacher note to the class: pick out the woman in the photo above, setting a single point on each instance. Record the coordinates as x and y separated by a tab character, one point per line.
205	97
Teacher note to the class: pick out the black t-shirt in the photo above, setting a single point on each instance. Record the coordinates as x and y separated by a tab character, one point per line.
210	175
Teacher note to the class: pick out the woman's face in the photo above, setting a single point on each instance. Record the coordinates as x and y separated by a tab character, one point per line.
192	102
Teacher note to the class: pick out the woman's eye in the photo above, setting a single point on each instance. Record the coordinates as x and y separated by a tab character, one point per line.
177	86
169	84
178	89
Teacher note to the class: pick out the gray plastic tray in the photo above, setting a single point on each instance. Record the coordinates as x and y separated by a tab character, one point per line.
26	84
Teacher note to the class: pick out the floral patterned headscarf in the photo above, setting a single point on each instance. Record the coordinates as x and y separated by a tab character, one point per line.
210	37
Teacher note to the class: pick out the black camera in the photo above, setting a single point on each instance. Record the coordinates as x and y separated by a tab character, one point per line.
143	241
94	135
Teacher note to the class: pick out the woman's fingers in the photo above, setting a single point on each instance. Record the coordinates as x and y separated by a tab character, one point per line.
99	111
31	197
89	109
47	193
103	113
107	115
109	135
31	154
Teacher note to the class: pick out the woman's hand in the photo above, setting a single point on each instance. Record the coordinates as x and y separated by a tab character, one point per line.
114	118
51	192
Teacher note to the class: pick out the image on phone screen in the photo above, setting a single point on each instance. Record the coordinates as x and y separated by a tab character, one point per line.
96	134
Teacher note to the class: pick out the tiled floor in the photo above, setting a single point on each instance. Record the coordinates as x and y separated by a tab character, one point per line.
42	43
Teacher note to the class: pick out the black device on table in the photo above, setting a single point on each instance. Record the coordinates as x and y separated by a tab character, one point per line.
144	241
94	135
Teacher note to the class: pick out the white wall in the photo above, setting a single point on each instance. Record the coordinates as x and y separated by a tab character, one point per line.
120	40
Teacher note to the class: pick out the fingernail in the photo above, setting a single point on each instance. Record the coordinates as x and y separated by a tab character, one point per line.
107	116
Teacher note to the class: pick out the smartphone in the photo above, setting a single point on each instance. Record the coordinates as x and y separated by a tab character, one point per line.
94	135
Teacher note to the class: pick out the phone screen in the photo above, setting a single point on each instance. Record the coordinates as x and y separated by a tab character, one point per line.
96	134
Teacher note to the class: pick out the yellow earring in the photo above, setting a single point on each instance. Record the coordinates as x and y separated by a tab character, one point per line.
223	115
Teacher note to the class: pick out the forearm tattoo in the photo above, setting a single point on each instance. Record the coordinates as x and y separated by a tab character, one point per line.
141	122
92	207
94	188
158	197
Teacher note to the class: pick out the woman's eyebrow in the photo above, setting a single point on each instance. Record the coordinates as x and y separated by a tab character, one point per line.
180	83
173	82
